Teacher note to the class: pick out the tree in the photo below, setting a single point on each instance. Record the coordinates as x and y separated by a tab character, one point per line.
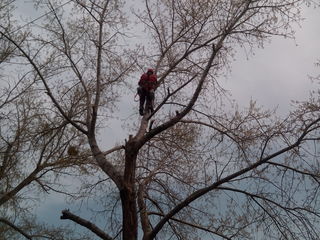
193	167
34	140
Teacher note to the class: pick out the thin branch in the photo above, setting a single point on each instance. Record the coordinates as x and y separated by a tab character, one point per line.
169	95
10	224
67	52
117	148
99	69
86	9
223	132
192	225
36	19
314	176
199	193
48	90
276	222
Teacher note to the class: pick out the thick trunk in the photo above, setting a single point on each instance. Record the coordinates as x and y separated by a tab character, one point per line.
129	211
128	195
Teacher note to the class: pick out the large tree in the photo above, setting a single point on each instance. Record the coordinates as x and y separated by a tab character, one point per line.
194	168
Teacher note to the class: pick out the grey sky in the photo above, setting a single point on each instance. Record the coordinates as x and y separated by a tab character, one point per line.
278	73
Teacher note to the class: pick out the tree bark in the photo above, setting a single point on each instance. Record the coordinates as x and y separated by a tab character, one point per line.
128	194
93	228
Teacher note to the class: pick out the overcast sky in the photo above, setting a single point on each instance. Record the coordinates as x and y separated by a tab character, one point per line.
278	73
273	76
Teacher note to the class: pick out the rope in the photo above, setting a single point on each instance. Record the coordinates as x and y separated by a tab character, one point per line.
135	98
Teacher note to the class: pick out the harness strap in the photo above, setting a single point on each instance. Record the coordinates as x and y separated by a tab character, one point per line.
135	98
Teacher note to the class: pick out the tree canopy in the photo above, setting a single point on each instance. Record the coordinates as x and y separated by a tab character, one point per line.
195	168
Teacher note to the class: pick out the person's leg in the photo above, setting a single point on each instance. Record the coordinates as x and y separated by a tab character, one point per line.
142	100
149	103
151	100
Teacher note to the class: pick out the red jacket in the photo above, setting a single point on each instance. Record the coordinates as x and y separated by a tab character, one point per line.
148	82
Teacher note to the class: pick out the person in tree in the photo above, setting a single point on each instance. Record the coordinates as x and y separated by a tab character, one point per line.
147	86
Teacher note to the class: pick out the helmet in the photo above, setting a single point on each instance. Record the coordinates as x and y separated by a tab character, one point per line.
150	70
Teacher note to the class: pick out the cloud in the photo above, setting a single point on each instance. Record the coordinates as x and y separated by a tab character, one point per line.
278	73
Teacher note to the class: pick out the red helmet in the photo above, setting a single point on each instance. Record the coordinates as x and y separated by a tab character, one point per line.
150	70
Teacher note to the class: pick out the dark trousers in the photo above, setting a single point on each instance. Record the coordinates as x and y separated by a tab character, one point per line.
146	97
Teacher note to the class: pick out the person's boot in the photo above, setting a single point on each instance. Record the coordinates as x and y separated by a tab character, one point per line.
151	106
141	111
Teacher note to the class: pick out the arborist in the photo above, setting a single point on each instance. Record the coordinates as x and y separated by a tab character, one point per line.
147	86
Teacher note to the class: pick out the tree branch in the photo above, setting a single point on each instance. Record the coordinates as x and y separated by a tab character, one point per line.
169	95
48	90
10	224
199	193
93	228
31	177
223	132
99	69
312	175
191	225
117	148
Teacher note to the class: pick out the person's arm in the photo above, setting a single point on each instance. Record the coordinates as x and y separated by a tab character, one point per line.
155	82
140	83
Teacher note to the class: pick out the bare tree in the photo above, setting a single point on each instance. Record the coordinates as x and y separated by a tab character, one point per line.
5	11
194	167
36	144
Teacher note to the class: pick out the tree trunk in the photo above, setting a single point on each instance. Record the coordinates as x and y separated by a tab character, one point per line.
128	195
129	212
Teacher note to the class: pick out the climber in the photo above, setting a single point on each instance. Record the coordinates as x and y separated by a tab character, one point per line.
147	86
